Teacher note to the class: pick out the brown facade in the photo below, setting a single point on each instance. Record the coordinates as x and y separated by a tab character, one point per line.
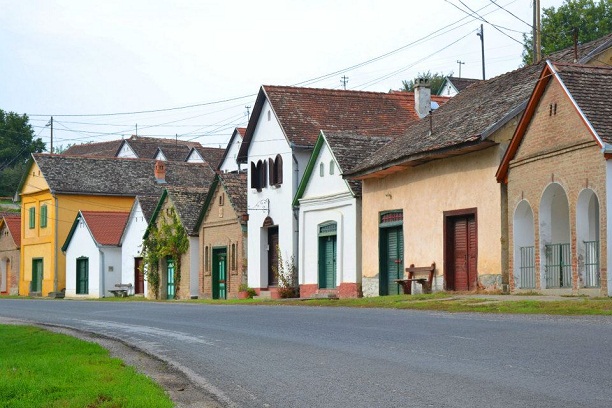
557	199
222	232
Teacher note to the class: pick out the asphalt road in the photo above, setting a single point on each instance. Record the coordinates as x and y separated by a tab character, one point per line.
261	356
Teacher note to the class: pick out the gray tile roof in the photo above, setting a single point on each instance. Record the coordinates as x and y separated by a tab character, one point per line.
188	202
461	83
98	149
212	155
148	203
351	149
146	147
235	185
591	88
469	118
115	176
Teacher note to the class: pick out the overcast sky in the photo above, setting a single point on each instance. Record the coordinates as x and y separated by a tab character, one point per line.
76	57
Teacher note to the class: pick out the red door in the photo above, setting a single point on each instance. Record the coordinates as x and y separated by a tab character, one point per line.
138	276
463	243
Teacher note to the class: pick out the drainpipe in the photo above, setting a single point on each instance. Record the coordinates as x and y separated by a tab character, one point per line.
55	255
296	173
101	272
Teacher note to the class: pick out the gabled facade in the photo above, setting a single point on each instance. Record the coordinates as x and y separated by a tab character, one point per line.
430	196
278	142
330	216
179	278
10	242
210	155
223	237
453	85
558	175
93	254
229	162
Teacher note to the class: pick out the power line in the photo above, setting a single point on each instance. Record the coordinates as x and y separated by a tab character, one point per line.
511	13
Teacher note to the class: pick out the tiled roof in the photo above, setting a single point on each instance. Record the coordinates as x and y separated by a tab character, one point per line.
235	185
591	88
303	112
115	176
586	51
174	152
241	131
146	147
13	223
350	149
188	202
461	83
98	149
212	155
148	204
106	227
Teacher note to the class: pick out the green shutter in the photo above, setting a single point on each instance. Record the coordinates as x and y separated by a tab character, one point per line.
32	217
43	216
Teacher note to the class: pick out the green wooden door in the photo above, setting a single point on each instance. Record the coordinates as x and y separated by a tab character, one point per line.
219	273
392	262
37	275
170	287
82	276
327	262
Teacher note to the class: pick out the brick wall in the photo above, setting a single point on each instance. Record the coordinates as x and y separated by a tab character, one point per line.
557	148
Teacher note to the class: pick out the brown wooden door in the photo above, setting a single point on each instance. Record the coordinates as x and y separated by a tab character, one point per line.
272	256
463	244
138	276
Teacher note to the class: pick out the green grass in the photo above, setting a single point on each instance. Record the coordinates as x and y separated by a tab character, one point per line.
43	369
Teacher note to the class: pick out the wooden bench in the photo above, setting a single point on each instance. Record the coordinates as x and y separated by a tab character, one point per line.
122	290
411	271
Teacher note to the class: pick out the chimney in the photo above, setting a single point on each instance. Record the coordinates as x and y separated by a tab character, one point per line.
160	171
422	97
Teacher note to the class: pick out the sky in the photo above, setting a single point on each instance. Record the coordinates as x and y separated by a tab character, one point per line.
191	69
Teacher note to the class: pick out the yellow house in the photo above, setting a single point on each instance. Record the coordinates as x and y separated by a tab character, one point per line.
56	187
431	195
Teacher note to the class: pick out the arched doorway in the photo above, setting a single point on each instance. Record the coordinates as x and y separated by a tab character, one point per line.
555	248
587	239
524	247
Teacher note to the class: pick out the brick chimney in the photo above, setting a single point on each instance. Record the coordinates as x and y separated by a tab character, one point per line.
422	97
160	171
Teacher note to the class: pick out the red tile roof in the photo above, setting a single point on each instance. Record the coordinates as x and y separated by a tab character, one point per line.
303	112
105	226
13	223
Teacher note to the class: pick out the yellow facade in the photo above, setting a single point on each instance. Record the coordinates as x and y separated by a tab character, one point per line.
40	243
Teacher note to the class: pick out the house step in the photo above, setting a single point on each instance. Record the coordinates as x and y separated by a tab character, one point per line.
263	294
324	295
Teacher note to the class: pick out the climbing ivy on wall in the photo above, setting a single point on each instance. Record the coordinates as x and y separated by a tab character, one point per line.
167	239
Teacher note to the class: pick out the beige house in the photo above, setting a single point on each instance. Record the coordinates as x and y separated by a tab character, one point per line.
557	173
431	194
223	237
10	242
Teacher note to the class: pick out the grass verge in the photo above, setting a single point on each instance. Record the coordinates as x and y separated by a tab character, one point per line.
43	369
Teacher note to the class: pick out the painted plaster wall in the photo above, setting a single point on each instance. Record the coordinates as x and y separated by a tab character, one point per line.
194	266
327	197
127	152
558	149
230	163
268	141
110	269
194	157
221	228
9	263
424	193
83	245
131	246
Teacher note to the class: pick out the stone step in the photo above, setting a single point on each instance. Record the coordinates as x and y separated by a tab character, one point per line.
263	294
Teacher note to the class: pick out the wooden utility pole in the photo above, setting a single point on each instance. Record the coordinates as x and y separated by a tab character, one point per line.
460	64
344	81
537	43
51	143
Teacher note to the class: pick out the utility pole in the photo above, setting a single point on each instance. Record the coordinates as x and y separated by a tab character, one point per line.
481	35
460	64
137	129
537	44
248	108
344	81
50	123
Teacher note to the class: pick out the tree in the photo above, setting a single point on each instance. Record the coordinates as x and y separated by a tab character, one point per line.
436	80
592	20
17	143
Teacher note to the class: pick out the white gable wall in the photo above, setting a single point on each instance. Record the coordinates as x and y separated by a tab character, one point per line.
131	245
268	140
194	157
110	269
229	163
83	245
328	198
127	152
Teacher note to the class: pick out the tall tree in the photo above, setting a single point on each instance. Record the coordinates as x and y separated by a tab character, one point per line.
17	142
436	80
591	19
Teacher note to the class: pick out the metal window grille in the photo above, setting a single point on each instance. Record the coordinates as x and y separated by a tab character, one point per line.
558	267
591	264
527	267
